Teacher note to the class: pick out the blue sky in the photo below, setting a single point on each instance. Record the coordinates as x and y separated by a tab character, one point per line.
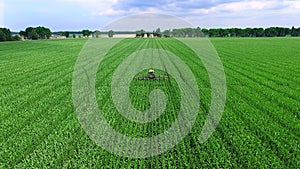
95	14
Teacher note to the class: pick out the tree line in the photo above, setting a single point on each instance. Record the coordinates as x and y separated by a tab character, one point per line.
36	33
40	32
236	32
84	33
6	35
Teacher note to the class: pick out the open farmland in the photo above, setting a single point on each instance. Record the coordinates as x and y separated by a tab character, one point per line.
259	127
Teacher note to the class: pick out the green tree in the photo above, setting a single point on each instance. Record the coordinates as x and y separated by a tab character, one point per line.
86	33
33	35
293	31
16	38
66	34
111	33
43	33
167	33
97	34
143	32
2	36
138	34
5	35
22	33
36	33
158	33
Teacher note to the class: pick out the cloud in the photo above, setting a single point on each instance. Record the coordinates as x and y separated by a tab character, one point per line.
169	6
77	14
148	22
98	7
248	14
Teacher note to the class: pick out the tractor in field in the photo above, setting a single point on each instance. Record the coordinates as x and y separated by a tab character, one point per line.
152	76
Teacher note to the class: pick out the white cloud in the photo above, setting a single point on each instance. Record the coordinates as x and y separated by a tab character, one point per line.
254	6
148	22
99	7
97	13
248	13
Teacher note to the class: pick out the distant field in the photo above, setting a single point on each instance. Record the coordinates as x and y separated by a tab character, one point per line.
259	128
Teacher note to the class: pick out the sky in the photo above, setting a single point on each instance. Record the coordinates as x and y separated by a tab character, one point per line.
59	15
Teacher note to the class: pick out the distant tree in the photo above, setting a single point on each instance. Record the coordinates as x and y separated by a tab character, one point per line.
43	33
293	31
27	32
176	33
97	34
143	32
86	33
66	34
138	34
271	32
148	34
74	36
158	33
198	32
36	33
16	38
111	33
5	34
2	36
33	35
205	31
167	33
258	32
22	34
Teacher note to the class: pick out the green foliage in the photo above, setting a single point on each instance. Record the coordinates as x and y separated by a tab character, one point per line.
36	33
157	33
140	33
97	34
5	35
16	38
167	33
66	34
86	33
236	32
2	36
43	33
111	33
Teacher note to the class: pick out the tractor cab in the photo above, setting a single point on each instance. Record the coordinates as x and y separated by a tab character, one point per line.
151	74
